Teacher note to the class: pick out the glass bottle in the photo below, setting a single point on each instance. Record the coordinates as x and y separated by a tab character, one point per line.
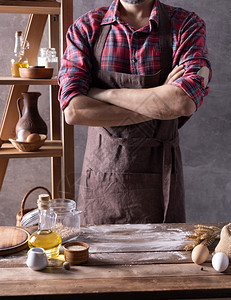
45	237
18	61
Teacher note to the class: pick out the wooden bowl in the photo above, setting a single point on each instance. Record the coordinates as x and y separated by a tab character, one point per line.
36	73
76	253
28	147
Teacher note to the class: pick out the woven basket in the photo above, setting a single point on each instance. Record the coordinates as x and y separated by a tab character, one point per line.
28	147
23	211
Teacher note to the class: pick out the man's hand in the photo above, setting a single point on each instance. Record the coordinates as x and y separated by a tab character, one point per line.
176	73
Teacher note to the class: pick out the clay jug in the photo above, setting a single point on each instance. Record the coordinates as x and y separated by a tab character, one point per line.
30	120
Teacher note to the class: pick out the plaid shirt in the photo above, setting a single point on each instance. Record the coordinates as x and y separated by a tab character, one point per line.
133	51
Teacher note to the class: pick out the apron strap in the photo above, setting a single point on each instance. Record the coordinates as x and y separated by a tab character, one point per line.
99	45
166	174
165	40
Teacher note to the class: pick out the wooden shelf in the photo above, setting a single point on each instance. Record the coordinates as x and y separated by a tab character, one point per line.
49	149
60	152
29	7
25	81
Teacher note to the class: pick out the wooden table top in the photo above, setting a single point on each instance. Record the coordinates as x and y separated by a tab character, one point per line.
143	261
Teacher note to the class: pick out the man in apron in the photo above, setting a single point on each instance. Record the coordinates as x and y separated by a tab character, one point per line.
134	73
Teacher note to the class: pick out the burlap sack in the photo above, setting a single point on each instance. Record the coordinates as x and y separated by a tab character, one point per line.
224	244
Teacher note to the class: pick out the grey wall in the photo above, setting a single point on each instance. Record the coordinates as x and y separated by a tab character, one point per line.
205	139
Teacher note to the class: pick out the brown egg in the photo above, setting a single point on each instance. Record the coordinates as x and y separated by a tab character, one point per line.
200	254
33	137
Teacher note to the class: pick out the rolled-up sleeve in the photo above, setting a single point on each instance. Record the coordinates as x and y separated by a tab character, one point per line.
74	75
192	52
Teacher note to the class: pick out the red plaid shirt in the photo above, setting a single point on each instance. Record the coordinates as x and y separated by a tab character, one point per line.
133	51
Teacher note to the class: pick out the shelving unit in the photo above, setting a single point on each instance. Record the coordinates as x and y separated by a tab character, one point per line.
17	80
60	147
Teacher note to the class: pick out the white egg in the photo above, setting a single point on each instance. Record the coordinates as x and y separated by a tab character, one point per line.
22	135
220	262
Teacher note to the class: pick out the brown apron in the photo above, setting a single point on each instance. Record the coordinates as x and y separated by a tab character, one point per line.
133	174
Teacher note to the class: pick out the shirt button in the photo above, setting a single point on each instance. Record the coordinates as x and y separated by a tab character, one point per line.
134	60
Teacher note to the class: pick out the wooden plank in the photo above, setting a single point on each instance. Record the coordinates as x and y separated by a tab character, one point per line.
55	124
67	130
4	164
7	80
33	34
68	161
86	280
110	259
66	20
134	238
113	272
28	7
50	149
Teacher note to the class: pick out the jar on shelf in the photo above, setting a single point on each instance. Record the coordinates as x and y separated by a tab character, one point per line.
42	58
48	59
67	218
52	60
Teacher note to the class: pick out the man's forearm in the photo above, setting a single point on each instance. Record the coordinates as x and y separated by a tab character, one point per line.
163	102
84	110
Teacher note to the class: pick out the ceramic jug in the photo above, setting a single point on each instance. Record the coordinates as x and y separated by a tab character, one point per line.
30	120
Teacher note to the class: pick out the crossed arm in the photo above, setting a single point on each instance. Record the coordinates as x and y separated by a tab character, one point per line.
118	107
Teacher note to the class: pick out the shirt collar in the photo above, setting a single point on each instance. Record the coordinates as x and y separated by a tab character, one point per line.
112	14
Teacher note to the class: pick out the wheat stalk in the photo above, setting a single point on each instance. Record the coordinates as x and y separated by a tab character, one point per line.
202	234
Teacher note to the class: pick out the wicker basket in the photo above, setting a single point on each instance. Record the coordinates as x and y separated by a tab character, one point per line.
23	211
28	147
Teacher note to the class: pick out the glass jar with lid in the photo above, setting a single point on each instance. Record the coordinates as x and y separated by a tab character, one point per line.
67	218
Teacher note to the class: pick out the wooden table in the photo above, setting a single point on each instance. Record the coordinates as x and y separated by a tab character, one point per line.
126	262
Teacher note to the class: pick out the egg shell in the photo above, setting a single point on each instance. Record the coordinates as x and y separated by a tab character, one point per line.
200	254
33	137
22	135
220	262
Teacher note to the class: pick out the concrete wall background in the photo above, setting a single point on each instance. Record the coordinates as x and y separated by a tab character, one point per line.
205	139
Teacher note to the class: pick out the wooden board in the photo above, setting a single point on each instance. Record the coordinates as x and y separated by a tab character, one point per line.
13	239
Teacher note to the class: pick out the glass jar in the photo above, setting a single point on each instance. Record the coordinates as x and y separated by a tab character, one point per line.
48	59
52	60
67	220
42	59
